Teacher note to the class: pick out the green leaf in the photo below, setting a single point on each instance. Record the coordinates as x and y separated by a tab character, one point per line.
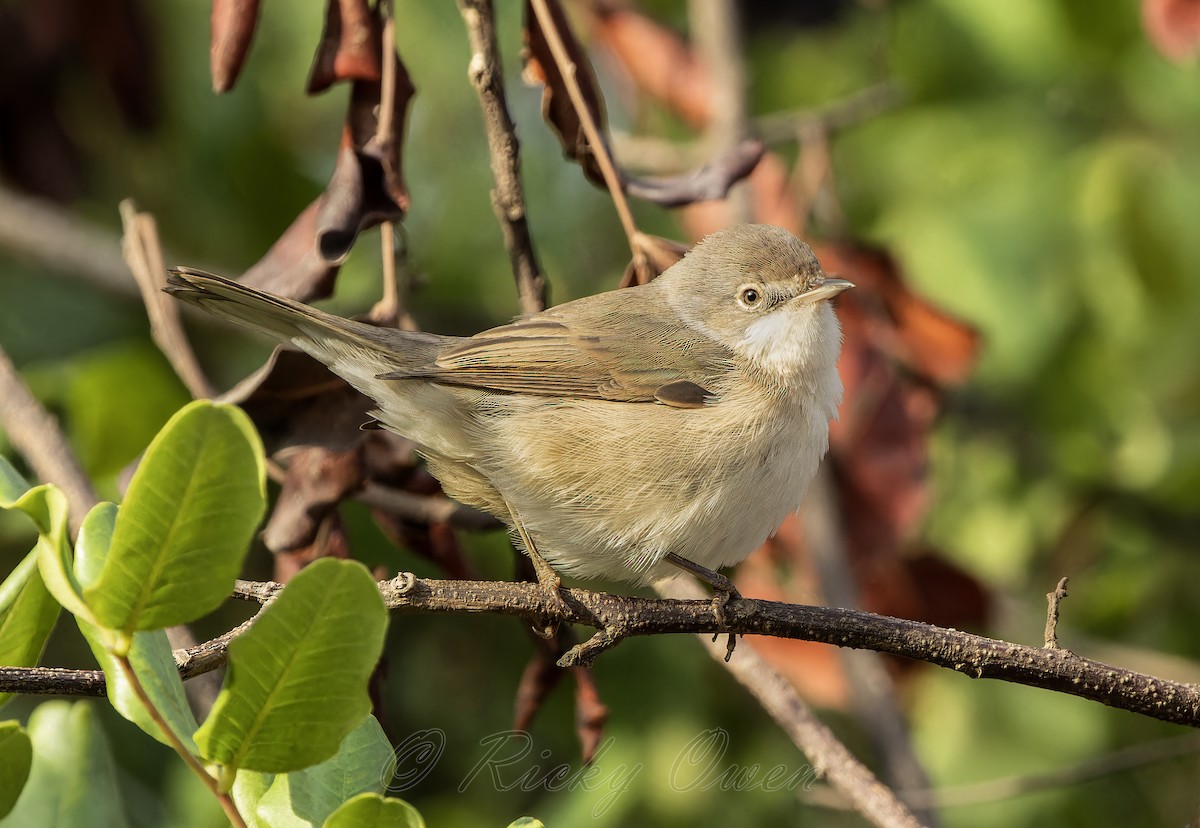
16	756
46	505
248	789
374	811
306	797
150	654
297	680
27	615
73	780
185	526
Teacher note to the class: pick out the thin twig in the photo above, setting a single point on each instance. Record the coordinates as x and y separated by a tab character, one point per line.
829	757
426	508
59	681
1053	599
387	309
48	235
37	435
143	254
872	689
591	130
508	197
854	109
717	34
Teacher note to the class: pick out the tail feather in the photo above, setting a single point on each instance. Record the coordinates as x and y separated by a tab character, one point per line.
323	335
251	308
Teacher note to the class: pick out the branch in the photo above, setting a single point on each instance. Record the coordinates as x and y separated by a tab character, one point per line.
828	755
508	198
58	681
143	253
972	655
37	435
46	234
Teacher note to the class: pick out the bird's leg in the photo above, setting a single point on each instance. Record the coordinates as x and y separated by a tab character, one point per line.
547	577
723	591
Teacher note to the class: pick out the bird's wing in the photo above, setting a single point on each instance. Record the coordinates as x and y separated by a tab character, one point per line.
621	357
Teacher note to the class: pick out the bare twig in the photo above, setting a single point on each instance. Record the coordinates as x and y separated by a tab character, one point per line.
863	105
1007	787
716	31
1053	599
426	508
48	235
508	198
873	690
58	681
829	757
37	435
143	254
389	309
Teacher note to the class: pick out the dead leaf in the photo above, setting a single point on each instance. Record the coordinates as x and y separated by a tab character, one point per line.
318	479
710	182
349	47
1173	26
366	189
557	107
657	59
233	23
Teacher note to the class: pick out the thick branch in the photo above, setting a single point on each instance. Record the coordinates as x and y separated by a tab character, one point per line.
508	198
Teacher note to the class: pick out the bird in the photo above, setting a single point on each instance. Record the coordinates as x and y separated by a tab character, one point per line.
623	436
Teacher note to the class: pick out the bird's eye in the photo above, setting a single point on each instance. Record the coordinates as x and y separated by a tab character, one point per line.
749	296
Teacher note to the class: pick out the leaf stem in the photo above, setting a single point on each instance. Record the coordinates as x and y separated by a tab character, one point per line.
191	761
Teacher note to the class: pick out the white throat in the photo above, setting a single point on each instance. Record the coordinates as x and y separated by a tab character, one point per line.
798	347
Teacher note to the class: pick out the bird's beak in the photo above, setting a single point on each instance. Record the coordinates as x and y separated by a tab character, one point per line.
827	288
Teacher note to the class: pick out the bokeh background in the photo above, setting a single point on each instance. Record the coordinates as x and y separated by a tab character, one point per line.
1038	180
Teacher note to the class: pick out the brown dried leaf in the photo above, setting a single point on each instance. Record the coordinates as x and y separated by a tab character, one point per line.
331	541
366	189
540	676
233	23
349	47
1173	26
294	400
590	713
317	480
655	254
658	60
557	107
709	182
294	266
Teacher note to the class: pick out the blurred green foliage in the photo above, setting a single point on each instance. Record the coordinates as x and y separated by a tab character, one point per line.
1040	181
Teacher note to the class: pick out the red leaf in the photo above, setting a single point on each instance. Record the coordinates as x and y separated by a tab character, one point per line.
233	23
349	47
657	59
1173	26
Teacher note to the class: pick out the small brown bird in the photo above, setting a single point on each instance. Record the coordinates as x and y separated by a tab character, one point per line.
676	422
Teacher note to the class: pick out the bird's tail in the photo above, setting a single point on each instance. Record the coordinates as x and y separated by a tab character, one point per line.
330	339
